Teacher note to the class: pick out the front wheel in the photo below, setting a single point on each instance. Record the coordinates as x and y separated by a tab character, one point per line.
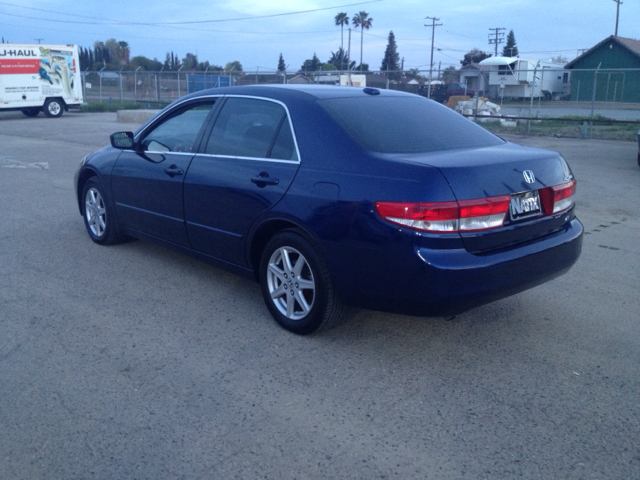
53	107
296	285
98	218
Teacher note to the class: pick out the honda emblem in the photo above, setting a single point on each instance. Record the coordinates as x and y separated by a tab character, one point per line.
529	177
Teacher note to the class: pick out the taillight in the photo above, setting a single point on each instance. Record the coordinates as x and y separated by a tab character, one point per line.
447	217
558	198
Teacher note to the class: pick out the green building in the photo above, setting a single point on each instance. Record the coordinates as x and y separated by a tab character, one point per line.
617	79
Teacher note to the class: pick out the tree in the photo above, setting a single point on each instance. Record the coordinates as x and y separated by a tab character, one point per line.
390	61
341	20
363	67
340	58
234	66
281	66
190	61
561	59
474	56
450	74
203	66
414	73
112	47
146	63
123	52
363	21
311	65
510	49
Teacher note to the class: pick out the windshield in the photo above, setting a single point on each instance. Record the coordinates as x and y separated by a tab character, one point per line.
411	124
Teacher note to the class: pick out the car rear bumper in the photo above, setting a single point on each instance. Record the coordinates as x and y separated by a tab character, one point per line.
452	281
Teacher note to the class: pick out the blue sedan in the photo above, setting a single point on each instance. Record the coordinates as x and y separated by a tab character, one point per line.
331	196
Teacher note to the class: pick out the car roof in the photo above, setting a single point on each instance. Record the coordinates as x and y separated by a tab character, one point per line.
296	91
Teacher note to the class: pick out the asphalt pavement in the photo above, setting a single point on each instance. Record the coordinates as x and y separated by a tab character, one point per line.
134	361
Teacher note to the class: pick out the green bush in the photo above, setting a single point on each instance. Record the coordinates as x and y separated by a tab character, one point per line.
114	106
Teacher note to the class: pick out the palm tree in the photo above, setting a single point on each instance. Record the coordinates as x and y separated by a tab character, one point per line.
342	20
123	52
363	21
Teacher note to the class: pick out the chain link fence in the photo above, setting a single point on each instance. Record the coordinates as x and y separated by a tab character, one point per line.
587	103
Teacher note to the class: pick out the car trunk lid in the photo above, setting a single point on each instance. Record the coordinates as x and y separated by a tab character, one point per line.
526	175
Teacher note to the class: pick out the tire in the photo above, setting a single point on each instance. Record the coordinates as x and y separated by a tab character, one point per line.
31	112
53	107
97	214
296	285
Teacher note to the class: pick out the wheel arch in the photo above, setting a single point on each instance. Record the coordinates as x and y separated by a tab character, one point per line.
83	177
264	233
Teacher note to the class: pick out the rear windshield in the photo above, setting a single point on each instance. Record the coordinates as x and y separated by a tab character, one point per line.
406	124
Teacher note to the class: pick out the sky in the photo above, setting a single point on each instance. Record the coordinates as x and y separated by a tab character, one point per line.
256	32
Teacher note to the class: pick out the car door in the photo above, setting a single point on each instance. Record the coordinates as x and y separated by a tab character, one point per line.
245	165
148	183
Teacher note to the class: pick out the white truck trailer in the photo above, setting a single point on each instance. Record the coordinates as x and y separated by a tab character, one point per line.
520	78
35	78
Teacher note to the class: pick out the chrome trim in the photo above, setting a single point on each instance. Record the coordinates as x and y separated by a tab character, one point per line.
167	152
257	159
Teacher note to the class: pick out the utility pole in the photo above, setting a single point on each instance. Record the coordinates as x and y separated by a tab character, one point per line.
433	32
40	39
499	38
349	61
618	2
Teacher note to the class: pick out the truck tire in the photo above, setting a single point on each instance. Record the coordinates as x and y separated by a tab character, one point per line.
53	107
31	112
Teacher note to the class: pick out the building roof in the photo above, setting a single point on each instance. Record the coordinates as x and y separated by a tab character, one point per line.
629	43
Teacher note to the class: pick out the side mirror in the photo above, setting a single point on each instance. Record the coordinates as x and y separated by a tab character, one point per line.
122	140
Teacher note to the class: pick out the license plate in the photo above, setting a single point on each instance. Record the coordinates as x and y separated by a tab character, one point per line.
525	204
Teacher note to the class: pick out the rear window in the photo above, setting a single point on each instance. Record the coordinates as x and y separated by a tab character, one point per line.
406	125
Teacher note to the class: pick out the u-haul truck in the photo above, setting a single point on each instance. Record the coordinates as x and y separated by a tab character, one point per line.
35	78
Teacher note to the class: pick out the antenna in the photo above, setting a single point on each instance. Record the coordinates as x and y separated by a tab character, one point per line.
619	2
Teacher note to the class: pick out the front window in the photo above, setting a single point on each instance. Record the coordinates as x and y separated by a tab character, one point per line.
179	132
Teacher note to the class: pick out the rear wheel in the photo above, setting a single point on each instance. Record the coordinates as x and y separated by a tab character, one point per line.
53	107
31	112
296	285
98	218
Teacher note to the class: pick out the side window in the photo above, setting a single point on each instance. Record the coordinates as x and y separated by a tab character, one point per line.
178	133
284	147
252	128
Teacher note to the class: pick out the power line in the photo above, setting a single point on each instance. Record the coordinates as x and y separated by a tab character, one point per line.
190	22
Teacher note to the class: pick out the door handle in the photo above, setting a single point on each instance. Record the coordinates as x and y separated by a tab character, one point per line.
173	170
263	179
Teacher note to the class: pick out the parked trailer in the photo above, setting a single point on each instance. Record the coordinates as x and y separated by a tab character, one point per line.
35	78
520	78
